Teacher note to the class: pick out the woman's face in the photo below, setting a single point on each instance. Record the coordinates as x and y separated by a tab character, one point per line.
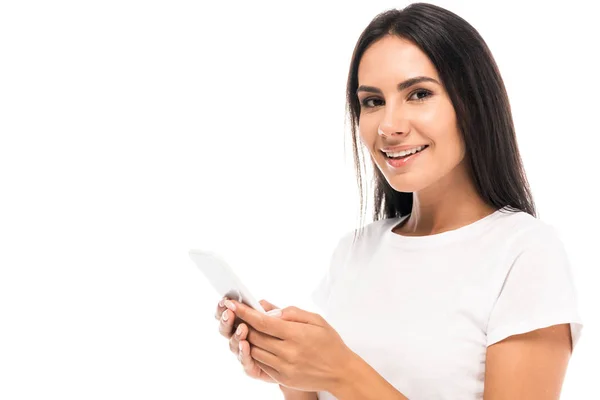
419	114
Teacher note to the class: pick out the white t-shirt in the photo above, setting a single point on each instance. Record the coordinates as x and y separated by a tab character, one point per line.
421	310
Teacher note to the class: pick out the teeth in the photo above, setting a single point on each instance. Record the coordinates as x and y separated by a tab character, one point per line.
405	152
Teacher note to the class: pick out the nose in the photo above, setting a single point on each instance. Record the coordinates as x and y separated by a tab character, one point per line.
384	130
393	123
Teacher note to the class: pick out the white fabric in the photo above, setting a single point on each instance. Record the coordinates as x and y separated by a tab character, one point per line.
422	310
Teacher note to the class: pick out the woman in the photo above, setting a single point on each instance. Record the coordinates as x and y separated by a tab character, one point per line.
456	290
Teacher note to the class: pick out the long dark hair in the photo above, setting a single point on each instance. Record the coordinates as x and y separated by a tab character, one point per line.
471	77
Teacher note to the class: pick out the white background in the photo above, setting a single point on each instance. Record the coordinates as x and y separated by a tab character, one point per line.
132	131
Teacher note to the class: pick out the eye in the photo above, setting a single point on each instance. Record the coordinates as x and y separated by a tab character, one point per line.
424	92
422	95
365	102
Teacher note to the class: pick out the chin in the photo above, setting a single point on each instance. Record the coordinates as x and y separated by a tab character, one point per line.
406	184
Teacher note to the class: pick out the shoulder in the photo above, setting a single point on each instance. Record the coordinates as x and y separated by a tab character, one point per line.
523	231
366	237
533	256
360	241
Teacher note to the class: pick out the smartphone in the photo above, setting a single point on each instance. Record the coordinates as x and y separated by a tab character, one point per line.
223	279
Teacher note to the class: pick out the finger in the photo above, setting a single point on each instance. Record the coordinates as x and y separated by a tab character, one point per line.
268	306
234	343
226	323
244	355
295	314
269	371
248	361
239	335
263	356
264	341
242	331
220	308
270	325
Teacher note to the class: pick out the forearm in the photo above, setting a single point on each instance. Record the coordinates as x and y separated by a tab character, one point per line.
291	394
359	381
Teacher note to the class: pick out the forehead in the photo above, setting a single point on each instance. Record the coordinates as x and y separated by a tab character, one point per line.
390	60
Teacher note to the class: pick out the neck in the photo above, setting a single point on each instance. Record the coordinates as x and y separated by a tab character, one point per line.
449	204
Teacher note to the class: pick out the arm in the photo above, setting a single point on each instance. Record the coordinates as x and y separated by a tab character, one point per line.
526	366
359	381
528	331
291	394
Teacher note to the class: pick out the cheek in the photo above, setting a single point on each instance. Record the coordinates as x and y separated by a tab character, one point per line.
444	134
366	135
446	156
454	147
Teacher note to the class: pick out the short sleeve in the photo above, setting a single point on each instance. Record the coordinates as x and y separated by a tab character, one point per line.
321	292
538	290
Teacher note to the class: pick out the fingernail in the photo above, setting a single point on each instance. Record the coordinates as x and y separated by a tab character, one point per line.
222	303
240	346
224	315
229	305
238	330
274	313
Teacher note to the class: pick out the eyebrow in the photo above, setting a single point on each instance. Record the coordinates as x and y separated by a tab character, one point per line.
401	86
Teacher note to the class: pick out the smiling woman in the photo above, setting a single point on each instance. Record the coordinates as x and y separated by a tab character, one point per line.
456	290
480	300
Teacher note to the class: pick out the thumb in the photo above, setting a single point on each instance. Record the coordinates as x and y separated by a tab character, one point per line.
296	314
267	306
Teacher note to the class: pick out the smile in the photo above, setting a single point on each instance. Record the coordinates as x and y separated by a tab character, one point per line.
403	158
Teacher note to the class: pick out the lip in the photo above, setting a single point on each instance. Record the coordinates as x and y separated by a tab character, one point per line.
401	148
403	162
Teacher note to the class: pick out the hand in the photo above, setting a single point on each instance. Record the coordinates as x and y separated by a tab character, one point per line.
226	329
298	349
